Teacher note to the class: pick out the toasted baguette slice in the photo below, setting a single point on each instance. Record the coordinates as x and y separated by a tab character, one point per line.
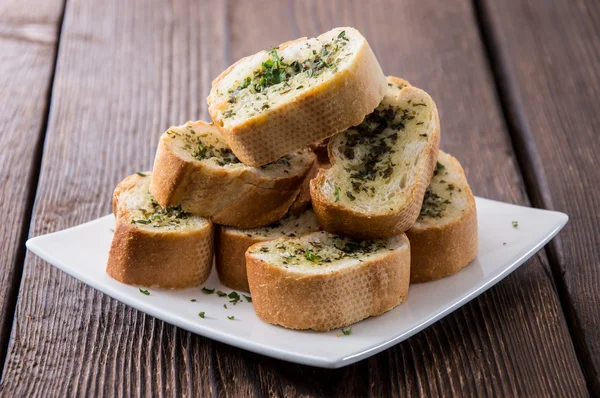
380	169
323	281
275	102
157	247
444	238
231	245
195	168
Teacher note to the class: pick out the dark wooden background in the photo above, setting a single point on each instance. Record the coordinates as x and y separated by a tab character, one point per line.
87	87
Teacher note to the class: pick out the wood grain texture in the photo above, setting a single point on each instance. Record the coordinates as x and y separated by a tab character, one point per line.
125	72
552	67
515	329
28	37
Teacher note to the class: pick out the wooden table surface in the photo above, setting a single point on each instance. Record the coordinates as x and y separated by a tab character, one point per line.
87	87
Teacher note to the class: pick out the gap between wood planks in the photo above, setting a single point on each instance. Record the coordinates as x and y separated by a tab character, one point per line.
530	165
32	182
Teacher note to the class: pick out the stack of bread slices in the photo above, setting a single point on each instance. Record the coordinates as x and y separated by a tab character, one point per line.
318	187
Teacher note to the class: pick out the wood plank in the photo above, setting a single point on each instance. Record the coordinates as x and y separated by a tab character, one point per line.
125	72
28	37
138	68
514	322
552	67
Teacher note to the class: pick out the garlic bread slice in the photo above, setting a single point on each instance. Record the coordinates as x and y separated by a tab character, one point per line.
444	238
322	281
155	246
380	168
275	102
196	169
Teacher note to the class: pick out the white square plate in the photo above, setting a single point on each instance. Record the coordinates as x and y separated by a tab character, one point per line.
82	252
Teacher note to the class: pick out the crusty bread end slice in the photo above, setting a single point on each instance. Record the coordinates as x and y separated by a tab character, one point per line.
444	238
157	247
194	167
380	168
231	245
322	281
275	102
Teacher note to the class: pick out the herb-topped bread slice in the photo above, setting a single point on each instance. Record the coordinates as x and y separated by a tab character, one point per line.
195	168
322	281
380	168
278	101
231	245
444	238
155	246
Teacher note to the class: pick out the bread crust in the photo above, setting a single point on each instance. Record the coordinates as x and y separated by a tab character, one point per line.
342	220
444	249
163	259
226	196
313	115
337	299
230	257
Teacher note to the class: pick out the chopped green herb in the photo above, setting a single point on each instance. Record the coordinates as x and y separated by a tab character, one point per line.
145	222
221	294
347	332
248	298
207	291
515	224
245	83
141	174
342	35
231	318
310	256
299	87
235	297
336	193
225	306
264	249
193	300
438	168
145	292
201	314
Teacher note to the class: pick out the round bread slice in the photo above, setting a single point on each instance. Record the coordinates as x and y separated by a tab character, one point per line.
231	245
444	238
275	102
195	168
322	281
380	168
157	247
